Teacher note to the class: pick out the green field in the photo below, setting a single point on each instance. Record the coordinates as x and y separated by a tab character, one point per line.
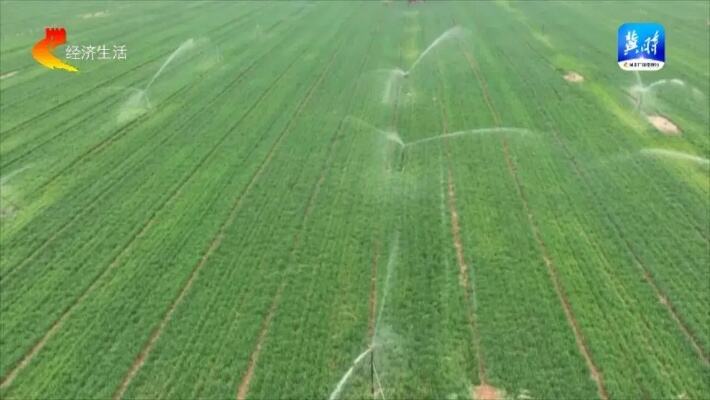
347	200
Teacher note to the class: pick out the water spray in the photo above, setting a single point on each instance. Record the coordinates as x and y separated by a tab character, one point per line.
391	84
139	102
394	136
449	34
184	46
389	135
520	131
396	73
349	372
639	91
391	261
676	155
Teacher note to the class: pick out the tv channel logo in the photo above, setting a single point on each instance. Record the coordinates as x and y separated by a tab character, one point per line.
641	46
42	51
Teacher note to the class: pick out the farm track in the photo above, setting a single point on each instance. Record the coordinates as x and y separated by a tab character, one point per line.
253	358
215	243
175	132
7	380
552	270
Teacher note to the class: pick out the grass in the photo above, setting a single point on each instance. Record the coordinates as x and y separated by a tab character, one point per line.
256	227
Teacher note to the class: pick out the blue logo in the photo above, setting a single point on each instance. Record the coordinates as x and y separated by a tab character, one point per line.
641	46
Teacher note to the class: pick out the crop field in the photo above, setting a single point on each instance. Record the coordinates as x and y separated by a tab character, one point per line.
354	200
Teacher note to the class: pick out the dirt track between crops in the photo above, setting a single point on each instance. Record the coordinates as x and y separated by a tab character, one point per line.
254	357
464	279
668	304
373	293
456	234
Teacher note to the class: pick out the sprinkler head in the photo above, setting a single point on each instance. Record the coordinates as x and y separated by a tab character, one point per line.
406	74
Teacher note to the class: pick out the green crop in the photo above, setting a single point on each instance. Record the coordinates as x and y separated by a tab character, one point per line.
354	200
